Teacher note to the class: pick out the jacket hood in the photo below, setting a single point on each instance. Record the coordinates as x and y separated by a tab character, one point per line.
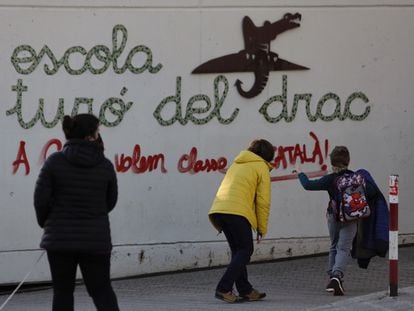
83	153
247	156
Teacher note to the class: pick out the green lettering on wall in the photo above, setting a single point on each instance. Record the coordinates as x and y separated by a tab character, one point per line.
319	113
25	59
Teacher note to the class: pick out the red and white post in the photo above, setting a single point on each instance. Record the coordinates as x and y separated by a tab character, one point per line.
393	234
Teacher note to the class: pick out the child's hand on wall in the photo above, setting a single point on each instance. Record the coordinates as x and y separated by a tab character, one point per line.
297	169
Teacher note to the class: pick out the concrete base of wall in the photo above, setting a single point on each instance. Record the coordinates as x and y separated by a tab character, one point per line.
143	259
147	259
136	260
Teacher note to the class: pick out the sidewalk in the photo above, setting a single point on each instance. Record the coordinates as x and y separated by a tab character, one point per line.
297	284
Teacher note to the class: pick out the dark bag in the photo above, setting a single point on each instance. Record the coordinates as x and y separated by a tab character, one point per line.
350	202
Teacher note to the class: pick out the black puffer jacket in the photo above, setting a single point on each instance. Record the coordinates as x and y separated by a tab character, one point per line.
75	191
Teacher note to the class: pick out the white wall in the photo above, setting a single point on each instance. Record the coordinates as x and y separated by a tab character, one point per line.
160	222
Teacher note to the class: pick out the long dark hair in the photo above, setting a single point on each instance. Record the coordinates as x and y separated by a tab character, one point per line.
80	126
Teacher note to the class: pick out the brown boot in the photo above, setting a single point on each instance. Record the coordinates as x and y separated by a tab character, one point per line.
229	297
254	295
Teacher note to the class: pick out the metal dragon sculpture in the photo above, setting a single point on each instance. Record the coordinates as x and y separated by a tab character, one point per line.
256	56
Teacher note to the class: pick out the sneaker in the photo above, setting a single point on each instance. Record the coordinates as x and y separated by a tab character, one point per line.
330	286
254	295
229	297
338	289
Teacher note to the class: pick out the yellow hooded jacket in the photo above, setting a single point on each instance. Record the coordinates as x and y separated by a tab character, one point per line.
245	191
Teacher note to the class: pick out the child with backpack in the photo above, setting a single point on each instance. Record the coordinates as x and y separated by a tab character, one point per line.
348	197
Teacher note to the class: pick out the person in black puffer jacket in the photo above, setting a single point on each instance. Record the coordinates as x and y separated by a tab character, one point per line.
74	193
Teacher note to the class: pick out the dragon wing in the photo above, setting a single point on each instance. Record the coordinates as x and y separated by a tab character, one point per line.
236	62
284	65
240	62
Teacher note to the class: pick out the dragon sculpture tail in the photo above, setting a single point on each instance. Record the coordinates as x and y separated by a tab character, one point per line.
261	75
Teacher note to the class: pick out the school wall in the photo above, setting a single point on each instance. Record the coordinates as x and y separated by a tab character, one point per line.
171	133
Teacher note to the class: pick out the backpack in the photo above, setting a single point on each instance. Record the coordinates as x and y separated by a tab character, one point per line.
350	197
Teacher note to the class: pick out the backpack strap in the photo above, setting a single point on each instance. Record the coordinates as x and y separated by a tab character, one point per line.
333	201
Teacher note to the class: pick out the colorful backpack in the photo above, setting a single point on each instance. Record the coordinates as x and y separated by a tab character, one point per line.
350	197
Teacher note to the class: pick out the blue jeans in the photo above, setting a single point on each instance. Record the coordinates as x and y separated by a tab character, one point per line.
341	235
95	271
238	233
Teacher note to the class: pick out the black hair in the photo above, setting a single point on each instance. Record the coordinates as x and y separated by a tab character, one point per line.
80	126
263	149
340	157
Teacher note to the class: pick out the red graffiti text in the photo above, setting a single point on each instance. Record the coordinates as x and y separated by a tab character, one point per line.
299	153
139	164
190	163
21	159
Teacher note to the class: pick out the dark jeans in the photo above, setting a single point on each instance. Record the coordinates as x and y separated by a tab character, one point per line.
238	233
95	271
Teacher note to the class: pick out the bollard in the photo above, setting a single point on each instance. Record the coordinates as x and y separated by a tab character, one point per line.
393	235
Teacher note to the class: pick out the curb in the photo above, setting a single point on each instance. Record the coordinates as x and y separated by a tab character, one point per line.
371	299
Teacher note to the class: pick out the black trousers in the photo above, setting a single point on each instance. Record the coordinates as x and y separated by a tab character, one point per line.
238	233
95	270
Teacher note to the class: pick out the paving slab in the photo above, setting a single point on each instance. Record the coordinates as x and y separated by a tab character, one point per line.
296	284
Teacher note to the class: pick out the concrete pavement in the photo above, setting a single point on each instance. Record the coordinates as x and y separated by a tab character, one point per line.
296	284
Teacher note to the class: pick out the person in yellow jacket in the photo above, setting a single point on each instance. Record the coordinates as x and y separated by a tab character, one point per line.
242	203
